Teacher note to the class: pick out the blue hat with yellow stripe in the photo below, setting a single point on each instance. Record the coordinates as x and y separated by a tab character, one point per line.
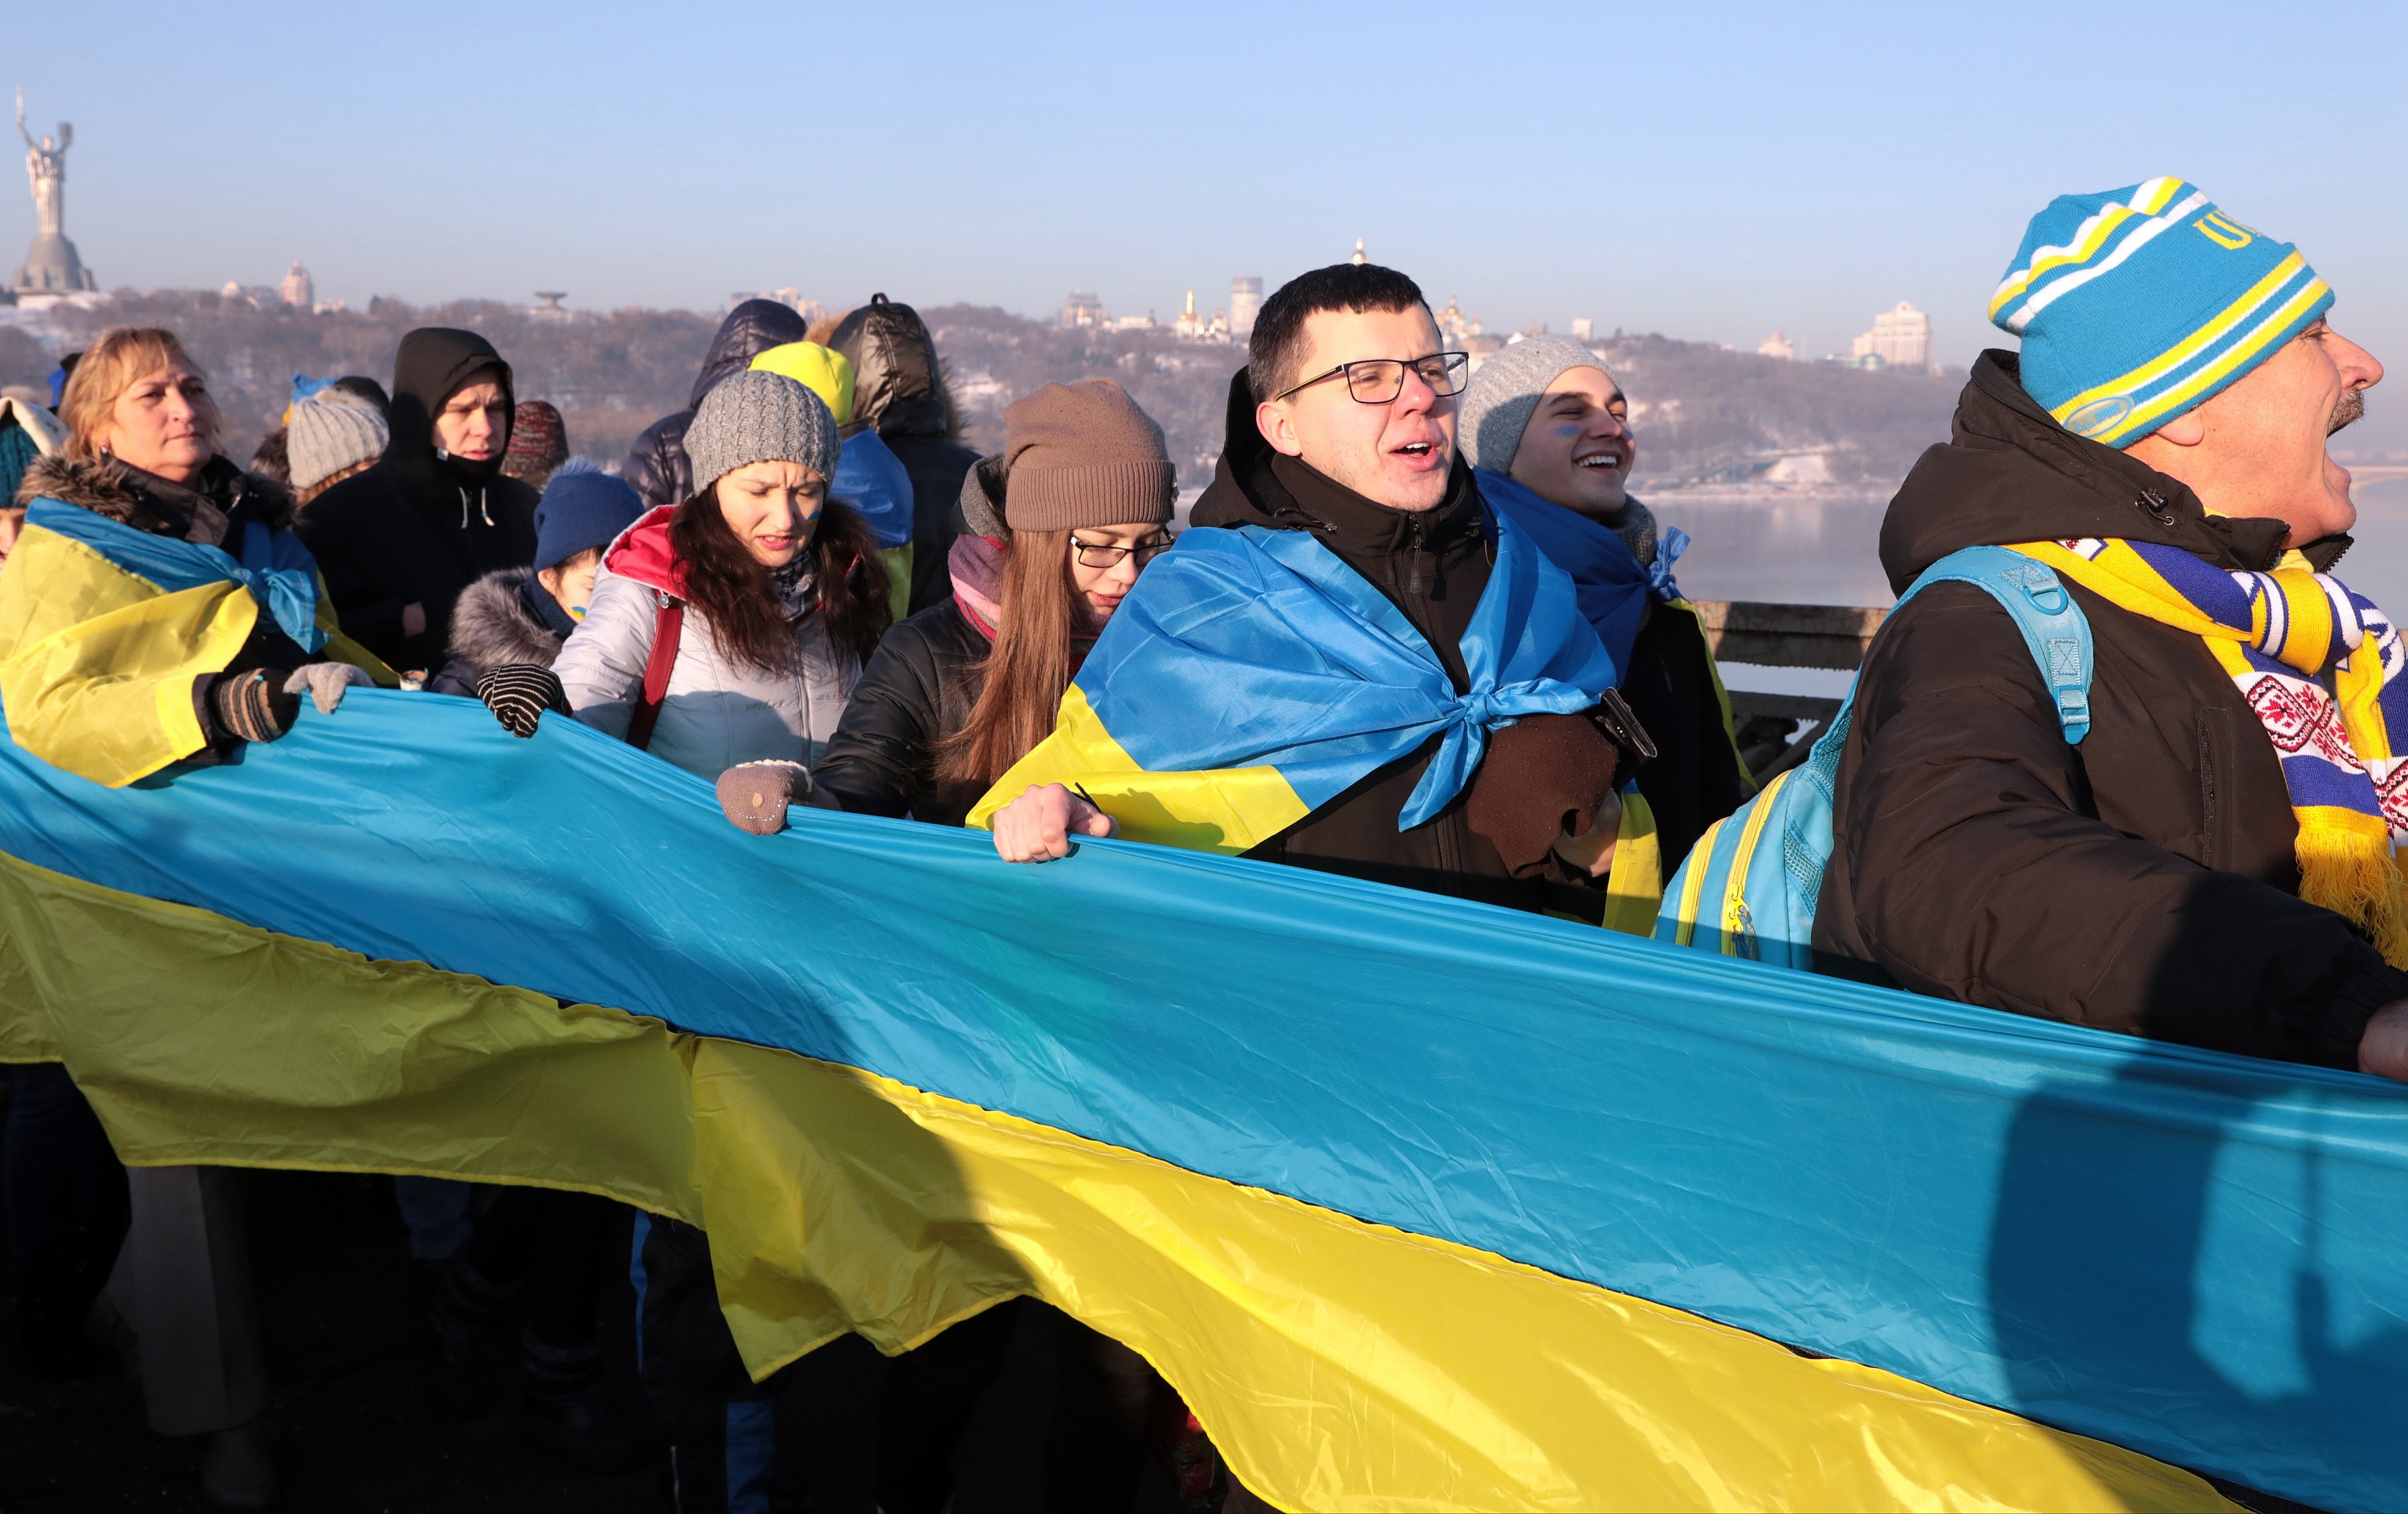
2141	303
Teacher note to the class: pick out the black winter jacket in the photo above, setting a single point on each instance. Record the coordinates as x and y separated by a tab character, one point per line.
1432	566
2142	881
899	387
1697	777
417	529
658	466
916	692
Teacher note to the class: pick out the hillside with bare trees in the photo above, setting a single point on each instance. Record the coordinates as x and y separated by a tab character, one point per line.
1703	414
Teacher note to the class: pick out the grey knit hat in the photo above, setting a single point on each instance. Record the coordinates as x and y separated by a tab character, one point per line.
323	437
1498	403
757	416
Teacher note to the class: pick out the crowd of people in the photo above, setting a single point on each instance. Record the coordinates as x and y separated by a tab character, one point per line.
1459	634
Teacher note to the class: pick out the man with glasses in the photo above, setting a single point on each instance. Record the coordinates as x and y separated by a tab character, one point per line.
1341	433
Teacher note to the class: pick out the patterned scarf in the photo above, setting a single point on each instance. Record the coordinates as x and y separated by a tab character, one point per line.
797	585
2283	637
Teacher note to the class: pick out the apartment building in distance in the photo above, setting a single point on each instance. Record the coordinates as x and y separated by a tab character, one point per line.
1900	338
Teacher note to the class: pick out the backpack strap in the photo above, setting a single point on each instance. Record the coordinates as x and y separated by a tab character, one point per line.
2052	626
668	627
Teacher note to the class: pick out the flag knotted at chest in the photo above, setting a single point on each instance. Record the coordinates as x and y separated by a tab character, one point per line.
274	566
2319	665
1251	677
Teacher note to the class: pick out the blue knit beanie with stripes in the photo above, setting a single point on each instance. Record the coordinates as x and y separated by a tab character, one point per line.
2141	303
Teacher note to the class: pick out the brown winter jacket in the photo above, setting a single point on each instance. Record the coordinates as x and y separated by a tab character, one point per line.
2141	881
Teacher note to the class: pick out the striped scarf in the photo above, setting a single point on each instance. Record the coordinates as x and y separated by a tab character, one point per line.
2282	636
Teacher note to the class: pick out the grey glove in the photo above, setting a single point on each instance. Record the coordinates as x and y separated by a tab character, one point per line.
755	796
324	682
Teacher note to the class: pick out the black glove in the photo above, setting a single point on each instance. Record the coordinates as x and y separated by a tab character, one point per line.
251	707
519	693
755	796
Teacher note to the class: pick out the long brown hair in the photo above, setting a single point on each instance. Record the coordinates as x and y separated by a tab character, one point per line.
732	590
1029	665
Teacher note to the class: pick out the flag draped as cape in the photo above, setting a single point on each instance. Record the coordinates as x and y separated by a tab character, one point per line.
1250	677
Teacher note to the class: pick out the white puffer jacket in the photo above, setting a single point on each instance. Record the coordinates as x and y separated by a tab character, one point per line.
718	713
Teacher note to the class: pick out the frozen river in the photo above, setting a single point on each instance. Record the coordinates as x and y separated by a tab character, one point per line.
1825	549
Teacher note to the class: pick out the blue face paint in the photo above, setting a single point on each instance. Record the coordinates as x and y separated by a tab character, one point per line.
1567	430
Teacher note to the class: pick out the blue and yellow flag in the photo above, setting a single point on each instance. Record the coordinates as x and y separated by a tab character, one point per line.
1418	1202
1250	677
104	630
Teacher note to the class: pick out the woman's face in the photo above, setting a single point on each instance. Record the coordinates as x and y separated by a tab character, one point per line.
1105	561
164	423
772	508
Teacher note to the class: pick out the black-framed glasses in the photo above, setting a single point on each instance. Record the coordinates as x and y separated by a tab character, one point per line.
1111	554
1378	381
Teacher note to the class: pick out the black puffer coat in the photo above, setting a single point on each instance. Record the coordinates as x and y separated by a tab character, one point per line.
899	387
916	692
656	464
1432	566
2142	881
418	528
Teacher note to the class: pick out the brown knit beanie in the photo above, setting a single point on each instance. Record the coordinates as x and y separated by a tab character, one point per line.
1083	455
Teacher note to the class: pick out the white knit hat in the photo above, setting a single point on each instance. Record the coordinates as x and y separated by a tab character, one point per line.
327	436
1498	403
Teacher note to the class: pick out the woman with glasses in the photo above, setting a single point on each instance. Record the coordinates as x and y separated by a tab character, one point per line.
1061	524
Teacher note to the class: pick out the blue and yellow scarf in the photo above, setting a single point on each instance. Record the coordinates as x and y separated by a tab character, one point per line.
1250	677
2282	636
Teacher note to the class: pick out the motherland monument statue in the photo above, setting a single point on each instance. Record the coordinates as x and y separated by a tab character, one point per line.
51	267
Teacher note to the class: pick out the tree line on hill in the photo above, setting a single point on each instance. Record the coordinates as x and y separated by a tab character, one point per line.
1701	413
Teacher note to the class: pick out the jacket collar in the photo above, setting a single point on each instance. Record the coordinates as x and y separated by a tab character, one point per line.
204	510
643	552
497	621
1357	527
2011	473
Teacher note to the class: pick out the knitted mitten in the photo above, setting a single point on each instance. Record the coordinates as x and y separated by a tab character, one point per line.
519	693
324	682
755	797
250	707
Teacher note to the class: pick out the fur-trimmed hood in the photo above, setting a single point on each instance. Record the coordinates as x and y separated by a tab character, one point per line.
129	497
491	625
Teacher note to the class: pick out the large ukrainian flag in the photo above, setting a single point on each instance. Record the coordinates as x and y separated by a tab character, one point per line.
1420	1203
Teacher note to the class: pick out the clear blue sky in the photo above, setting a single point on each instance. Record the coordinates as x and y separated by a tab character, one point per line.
1710	171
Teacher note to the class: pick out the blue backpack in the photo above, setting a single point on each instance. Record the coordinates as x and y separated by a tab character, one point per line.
1748	888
